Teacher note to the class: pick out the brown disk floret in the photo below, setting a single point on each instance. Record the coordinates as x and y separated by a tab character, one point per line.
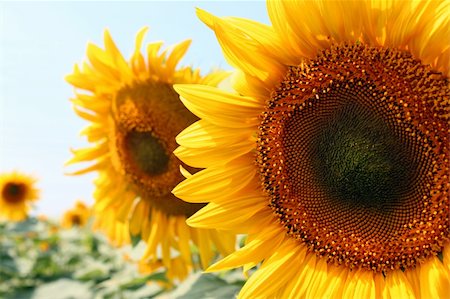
353	153
148	116
14	193
76	220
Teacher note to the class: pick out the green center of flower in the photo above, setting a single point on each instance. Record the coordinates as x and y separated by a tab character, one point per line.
14	192
360	159
147	152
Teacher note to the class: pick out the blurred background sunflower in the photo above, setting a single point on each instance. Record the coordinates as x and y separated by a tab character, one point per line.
77	216
332	154
18	194
134	116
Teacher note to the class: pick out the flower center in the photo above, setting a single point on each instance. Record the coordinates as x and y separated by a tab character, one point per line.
353	153
14	192
147	152
357	157
148	116
76	220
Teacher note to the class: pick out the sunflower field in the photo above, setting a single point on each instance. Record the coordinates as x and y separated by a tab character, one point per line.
42	259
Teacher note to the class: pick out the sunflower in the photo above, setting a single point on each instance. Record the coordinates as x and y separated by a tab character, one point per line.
18	193
134	116
332	154
77	216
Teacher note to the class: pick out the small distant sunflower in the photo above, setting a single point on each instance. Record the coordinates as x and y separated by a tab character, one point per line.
135	115
333	154
77	216
17	195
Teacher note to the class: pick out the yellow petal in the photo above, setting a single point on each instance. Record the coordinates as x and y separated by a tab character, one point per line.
220	107
223	241
276	271
215	182
227	215
111	48
94	133
202	134
242	50
359	284
380	286
204	246
446	256
154	61
184	172
87	116
413	278
214	79
100	165
101	62
319	280
210	157
337	277
96	104
140	212
183	232
398	285
286	33
177	52
137	60
434	279
305	269
156	234
265	244
88	154
265	36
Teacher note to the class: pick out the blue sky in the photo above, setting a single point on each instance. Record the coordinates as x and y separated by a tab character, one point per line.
39	44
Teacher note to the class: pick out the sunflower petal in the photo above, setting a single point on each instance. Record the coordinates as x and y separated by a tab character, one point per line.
219	107
218	215
88	154
242	50
398	286
274	273
202	134
434	279
215	182
177	53
210	157
255	251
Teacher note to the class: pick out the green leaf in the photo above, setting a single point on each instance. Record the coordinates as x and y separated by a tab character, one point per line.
135	239
211	287
23	226
22	294
63	289
140	281
96	274
8	266
145	292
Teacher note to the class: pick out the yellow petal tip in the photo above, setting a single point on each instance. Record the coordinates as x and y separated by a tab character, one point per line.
205	17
